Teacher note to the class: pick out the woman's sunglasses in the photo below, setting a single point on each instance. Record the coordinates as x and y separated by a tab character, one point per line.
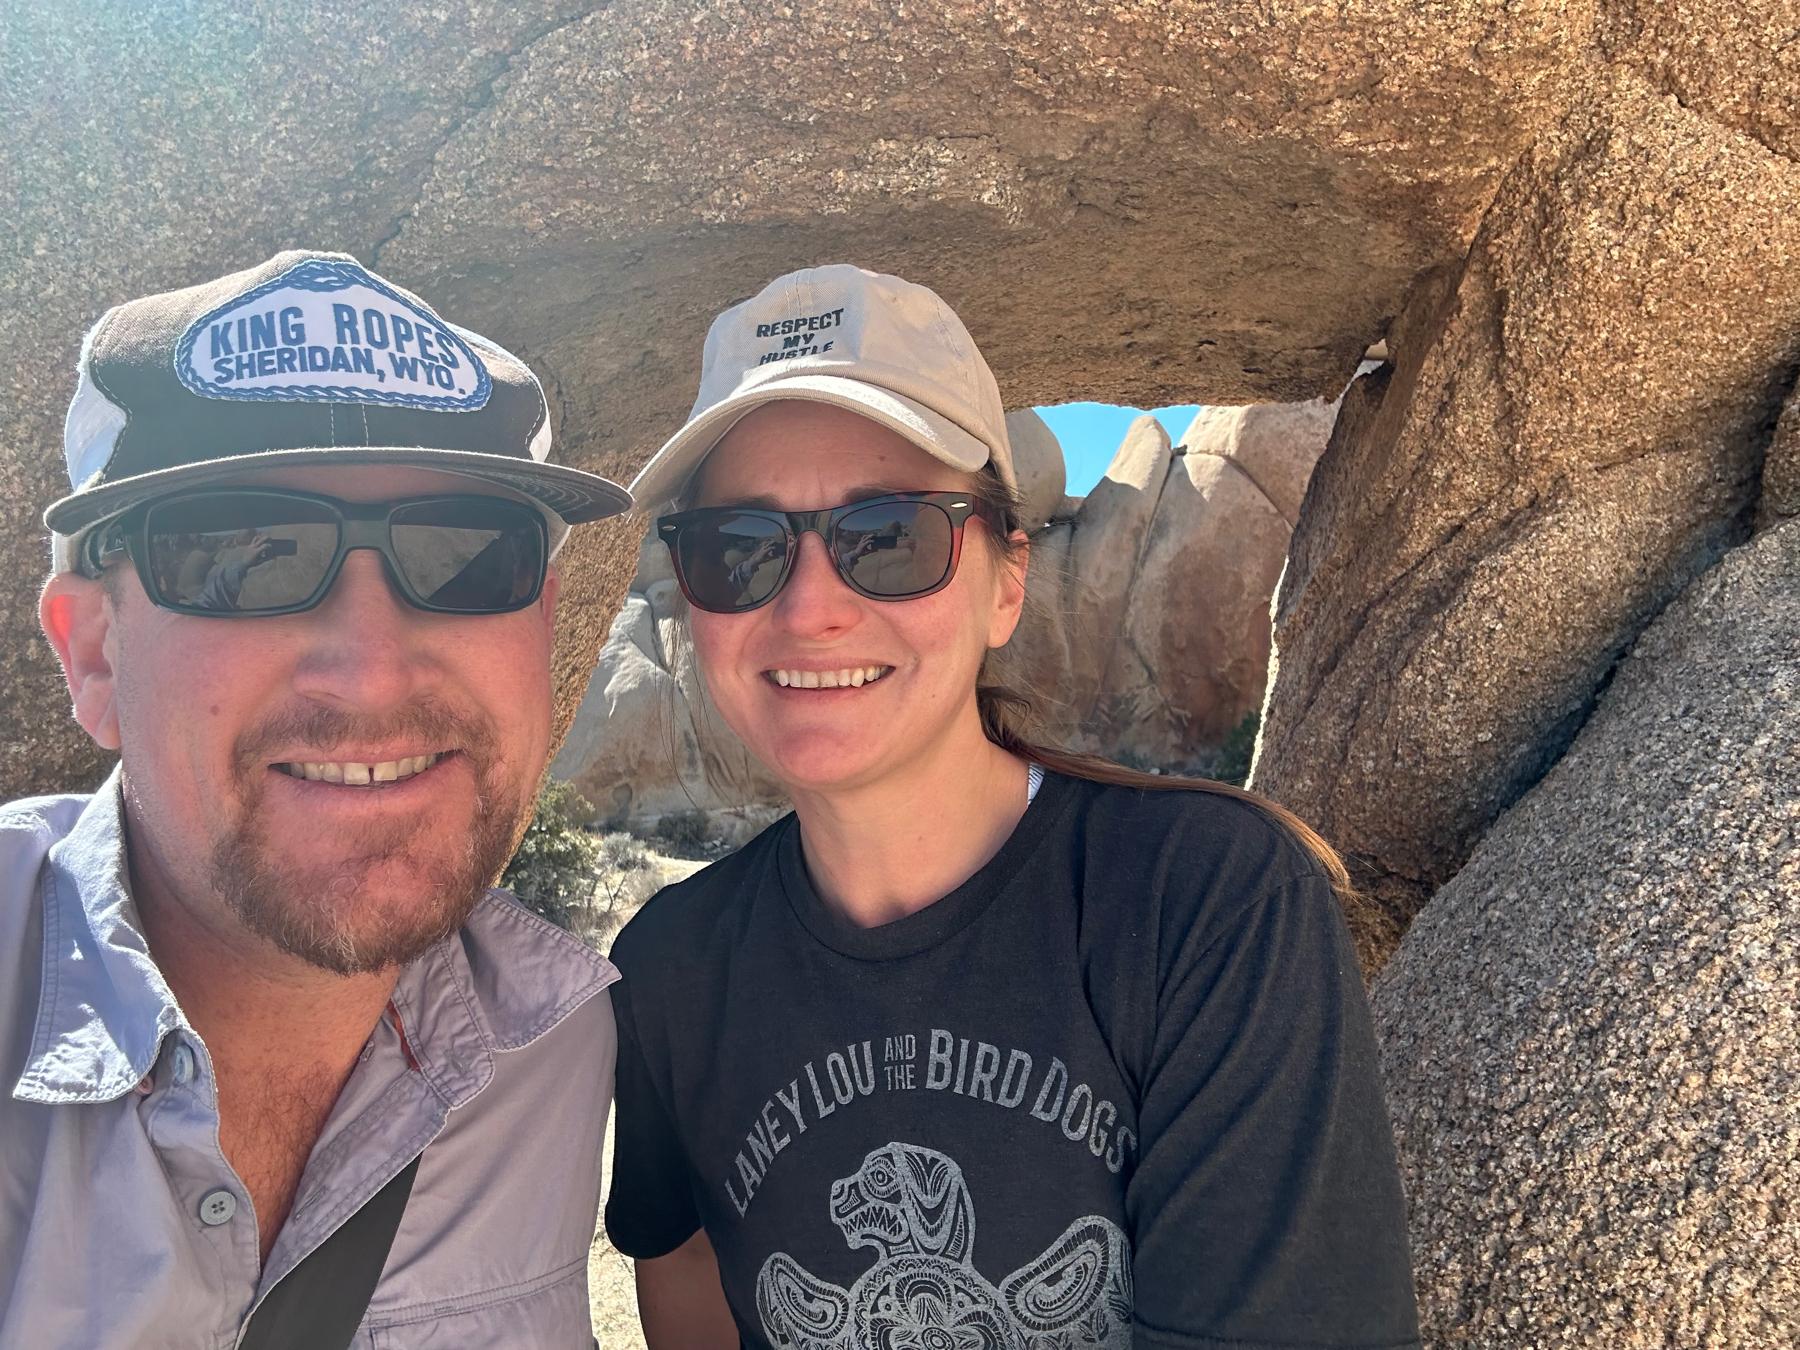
239	552
732	559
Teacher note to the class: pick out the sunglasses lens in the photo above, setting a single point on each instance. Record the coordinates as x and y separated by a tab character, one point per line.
239	553
731	561
895	549
470	555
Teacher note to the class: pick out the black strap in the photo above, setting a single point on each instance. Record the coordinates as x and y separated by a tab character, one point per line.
319	1303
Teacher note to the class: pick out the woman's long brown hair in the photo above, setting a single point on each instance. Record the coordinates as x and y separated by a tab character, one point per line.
1009	719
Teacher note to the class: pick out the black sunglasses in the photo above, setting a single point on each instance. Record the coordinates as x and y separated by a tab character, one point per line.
244	551
733	559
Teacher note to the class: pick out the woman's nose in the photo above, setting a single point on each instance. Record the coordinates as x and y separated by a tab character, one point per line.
816	600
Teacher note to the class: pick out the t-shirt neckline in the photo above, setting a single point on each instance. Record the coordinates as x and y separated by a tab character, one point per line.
925	928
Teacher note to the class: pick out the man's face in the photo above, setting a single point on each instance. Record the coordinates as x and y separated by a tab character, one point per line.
449	713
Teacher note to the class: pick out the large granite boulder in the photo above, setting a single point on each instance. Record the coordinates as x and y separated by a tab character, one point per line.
1142	204
1571	431
1038	462
1590	1035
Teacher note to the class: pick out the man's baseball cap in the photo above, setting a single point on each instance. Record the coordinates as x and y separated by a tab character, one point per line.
874	344
306	359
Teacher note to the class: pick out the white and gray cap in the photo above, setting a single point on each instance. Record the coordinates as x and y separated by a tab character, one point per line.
306	359
885	348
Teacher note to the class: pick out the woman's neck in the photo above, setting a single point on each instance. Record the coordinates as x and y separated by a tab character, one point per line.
889	848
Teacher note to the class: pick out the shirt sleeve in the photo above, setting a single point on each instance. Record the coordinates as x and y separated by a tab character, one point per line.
1266	1206
650	1210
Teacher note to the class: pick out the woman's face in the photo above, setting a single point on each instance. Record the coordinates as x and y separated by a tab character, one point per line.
799	456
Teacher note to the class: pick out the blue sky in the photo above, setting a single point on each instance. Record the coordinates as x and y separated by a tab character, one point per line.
1091	432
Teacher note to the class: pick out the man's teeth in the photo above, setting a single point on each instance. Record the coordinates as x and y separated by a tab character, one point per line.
854	678
361	775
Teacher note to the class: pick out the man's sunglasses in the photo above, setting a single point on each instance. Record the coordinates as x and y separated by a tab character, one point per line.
732	559
259	552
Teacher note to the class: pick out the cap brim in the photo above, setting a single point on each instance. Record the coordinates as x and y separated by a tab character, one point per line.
670	468
572	494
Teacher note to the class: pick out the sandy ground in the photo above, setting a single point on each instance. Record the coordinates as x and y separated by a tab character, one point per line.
610	1290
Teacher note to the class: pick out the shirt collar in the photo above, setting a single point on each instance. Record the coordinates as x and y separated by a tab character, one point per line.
501	981
104	1007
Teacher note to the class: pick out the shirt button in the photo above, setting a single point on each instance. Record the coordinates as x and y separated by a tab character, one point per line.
217	1208
182	1066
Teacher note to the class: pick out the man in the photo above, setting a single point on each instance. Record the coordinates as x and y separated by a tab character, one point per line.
303	587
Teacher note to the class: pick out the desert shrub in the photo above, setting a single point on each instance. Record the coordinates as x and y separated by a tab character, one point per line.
1233	764
557	864
628	876
686	834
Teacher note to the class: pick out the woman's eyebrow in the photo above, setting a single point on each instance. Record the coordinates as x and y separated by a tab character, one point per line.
860	492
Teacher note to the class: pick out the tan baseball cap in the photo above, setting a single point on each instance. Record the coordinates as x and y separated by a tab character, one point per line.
874	344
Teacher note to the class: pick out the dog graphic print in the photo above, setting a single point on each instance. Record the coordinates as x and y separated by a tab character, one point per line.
911	1206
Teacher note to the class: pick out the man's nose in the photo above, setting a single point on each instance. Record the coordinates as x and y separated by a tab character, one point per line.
365	650
816	601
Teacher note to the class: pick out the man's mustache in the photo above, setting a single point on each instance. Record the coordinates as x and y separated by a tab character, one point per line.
321	729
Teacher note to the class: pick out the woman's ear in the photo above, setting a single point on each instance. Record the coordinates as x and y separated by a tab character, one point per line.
77	618
1010	602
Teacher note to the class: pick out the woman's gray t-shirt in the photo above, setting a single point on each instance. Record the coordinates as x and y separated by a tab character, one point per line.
1118	1088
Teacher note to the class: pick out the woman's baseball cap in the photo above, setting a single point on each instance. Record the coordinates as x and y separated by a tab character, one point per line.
885	348
306	359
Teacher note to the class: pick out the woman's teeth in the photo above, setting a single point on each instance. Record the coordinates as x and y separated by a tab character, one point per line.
854	678
361	775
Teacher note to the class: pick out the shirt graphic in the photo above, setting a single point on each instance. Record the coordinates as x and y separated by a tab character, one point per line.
912	1208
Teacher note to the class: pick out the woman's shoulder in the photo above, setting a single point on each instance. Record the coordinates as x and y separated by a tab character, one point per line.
1214	833
686	916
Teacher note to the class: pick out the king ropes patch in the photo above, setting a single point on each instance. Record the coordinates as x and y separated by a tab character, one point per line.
331	331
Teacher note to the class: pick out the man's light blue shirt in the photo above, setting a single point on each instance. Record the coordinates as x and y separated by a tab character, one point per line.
121	1223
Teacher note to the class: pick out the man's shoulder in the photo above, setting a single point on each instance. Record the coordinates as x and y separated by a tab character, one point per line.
29	828
54	814
527	974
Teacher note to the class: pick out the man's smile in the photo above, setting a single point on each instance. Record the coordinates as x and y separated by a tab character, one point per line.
361	773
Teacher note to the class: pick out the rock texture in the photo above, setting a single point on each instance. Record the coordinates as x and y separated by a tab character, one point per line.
1781	468
1139	204
1038	461
1591	1035
1572	429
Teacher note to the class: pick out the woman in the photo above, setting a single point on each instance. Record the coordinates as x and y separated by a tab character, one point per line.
969	979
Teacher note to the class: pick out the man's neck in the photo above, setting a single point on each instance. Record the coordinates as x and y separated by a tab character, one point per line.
881	852
282	1035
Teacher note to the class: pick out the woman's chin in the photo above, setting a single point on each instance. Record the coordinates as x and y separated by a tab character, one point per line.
825	763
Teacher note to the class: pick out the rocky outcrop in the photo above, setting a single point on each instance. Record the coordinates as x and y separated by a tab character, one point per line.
1138	204
1038	461
1589	1034
1551	458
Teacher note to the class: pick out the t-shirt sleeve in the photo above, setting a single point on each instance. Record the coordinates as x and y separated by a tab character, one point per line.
650	1210
1266	1206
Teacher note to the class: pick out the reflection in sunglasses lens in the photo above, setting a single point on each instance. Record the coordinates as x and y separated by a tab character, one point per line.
477	555
732	562
895	548
239	553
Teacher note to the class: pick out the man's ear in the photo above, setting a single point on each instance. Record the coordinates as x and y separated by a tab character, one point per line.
547	597
1011	600
77	618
